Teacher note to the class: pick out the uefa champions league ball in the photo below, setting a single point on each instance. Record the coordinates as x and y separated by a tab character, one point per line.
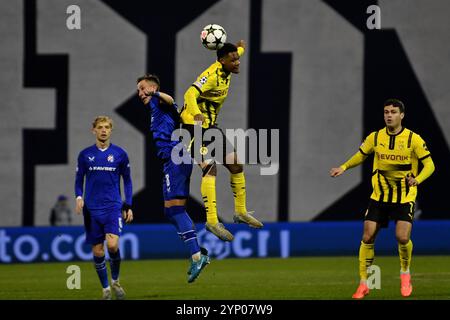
213	36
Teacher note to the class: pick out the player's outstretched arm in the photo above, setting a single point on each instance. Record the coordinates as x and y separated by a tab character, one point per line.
164	97
190	101
358	158
336	172
241	44
354	161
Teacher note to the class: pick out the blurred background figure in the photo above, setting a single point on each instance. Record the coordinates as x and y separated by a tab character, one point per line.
61	215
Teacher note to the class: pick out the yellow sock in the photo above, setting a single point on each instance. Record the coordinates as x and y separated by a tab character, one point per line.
366	256
208	190
237	181
405	253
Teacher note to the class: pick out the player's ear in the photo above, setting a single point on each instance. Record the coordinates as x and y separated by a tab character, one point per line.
402	115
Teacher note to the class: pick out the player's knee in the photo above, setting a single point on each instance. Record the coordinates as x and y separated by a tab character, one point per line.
98	251
172	211
210	170
232	163
112	242
235	168
402	239
368	238
113	247
174	202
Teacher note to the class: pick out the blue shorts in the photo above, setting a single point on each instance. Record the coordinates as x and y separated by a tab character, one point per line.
176	180
98	225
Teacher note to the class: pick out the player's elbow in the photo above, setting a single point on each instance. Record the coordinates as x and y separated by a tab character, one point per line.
170	101
432	167
190	101
429	165
190	94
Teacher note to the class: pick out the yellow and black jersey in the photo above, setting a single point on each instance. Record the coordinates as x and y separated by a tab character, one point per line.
395	157
212	89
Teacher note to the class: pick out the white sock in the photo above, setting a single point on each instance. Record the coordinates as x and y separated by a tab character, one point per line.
404	272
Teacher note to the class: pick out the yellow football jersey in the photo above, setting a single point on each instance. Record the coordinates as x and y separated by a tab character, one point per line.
213	85
395	157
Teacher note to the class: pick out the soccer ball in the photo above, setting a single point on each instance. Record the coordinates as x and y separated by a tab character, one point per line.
213	36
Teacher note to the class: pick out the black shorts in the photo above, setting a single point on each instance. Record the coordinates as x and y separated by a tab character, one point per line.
208	150
382	212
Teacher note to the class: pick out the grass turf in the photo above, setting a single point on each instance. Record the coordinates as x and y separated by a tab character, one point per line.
305	278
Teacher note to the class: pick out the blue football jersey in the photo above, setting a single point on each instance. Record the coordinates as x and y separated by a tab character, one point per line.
102	169
164	120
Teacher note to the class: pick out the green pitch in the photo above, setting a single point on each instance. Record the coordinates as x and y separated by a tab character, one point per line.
273	279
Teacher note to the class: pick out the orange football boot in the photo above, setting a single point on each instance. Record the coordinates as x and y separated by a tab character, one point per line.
361	292
406	286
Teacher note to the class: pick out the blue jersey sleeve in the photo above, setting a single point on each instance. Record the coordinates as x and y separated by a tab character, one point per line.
175	105
125	171
79	177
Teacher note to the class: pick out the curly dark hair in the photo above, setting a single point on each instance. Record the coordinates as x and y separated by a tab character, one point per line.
226	49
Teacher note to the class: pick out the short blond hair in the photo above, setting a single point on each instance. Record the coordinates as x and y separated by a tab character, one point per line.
102	119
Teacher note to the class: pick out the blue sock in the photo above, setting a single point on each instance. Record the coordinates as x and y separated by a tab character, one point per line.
100	267
178	216
114	262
